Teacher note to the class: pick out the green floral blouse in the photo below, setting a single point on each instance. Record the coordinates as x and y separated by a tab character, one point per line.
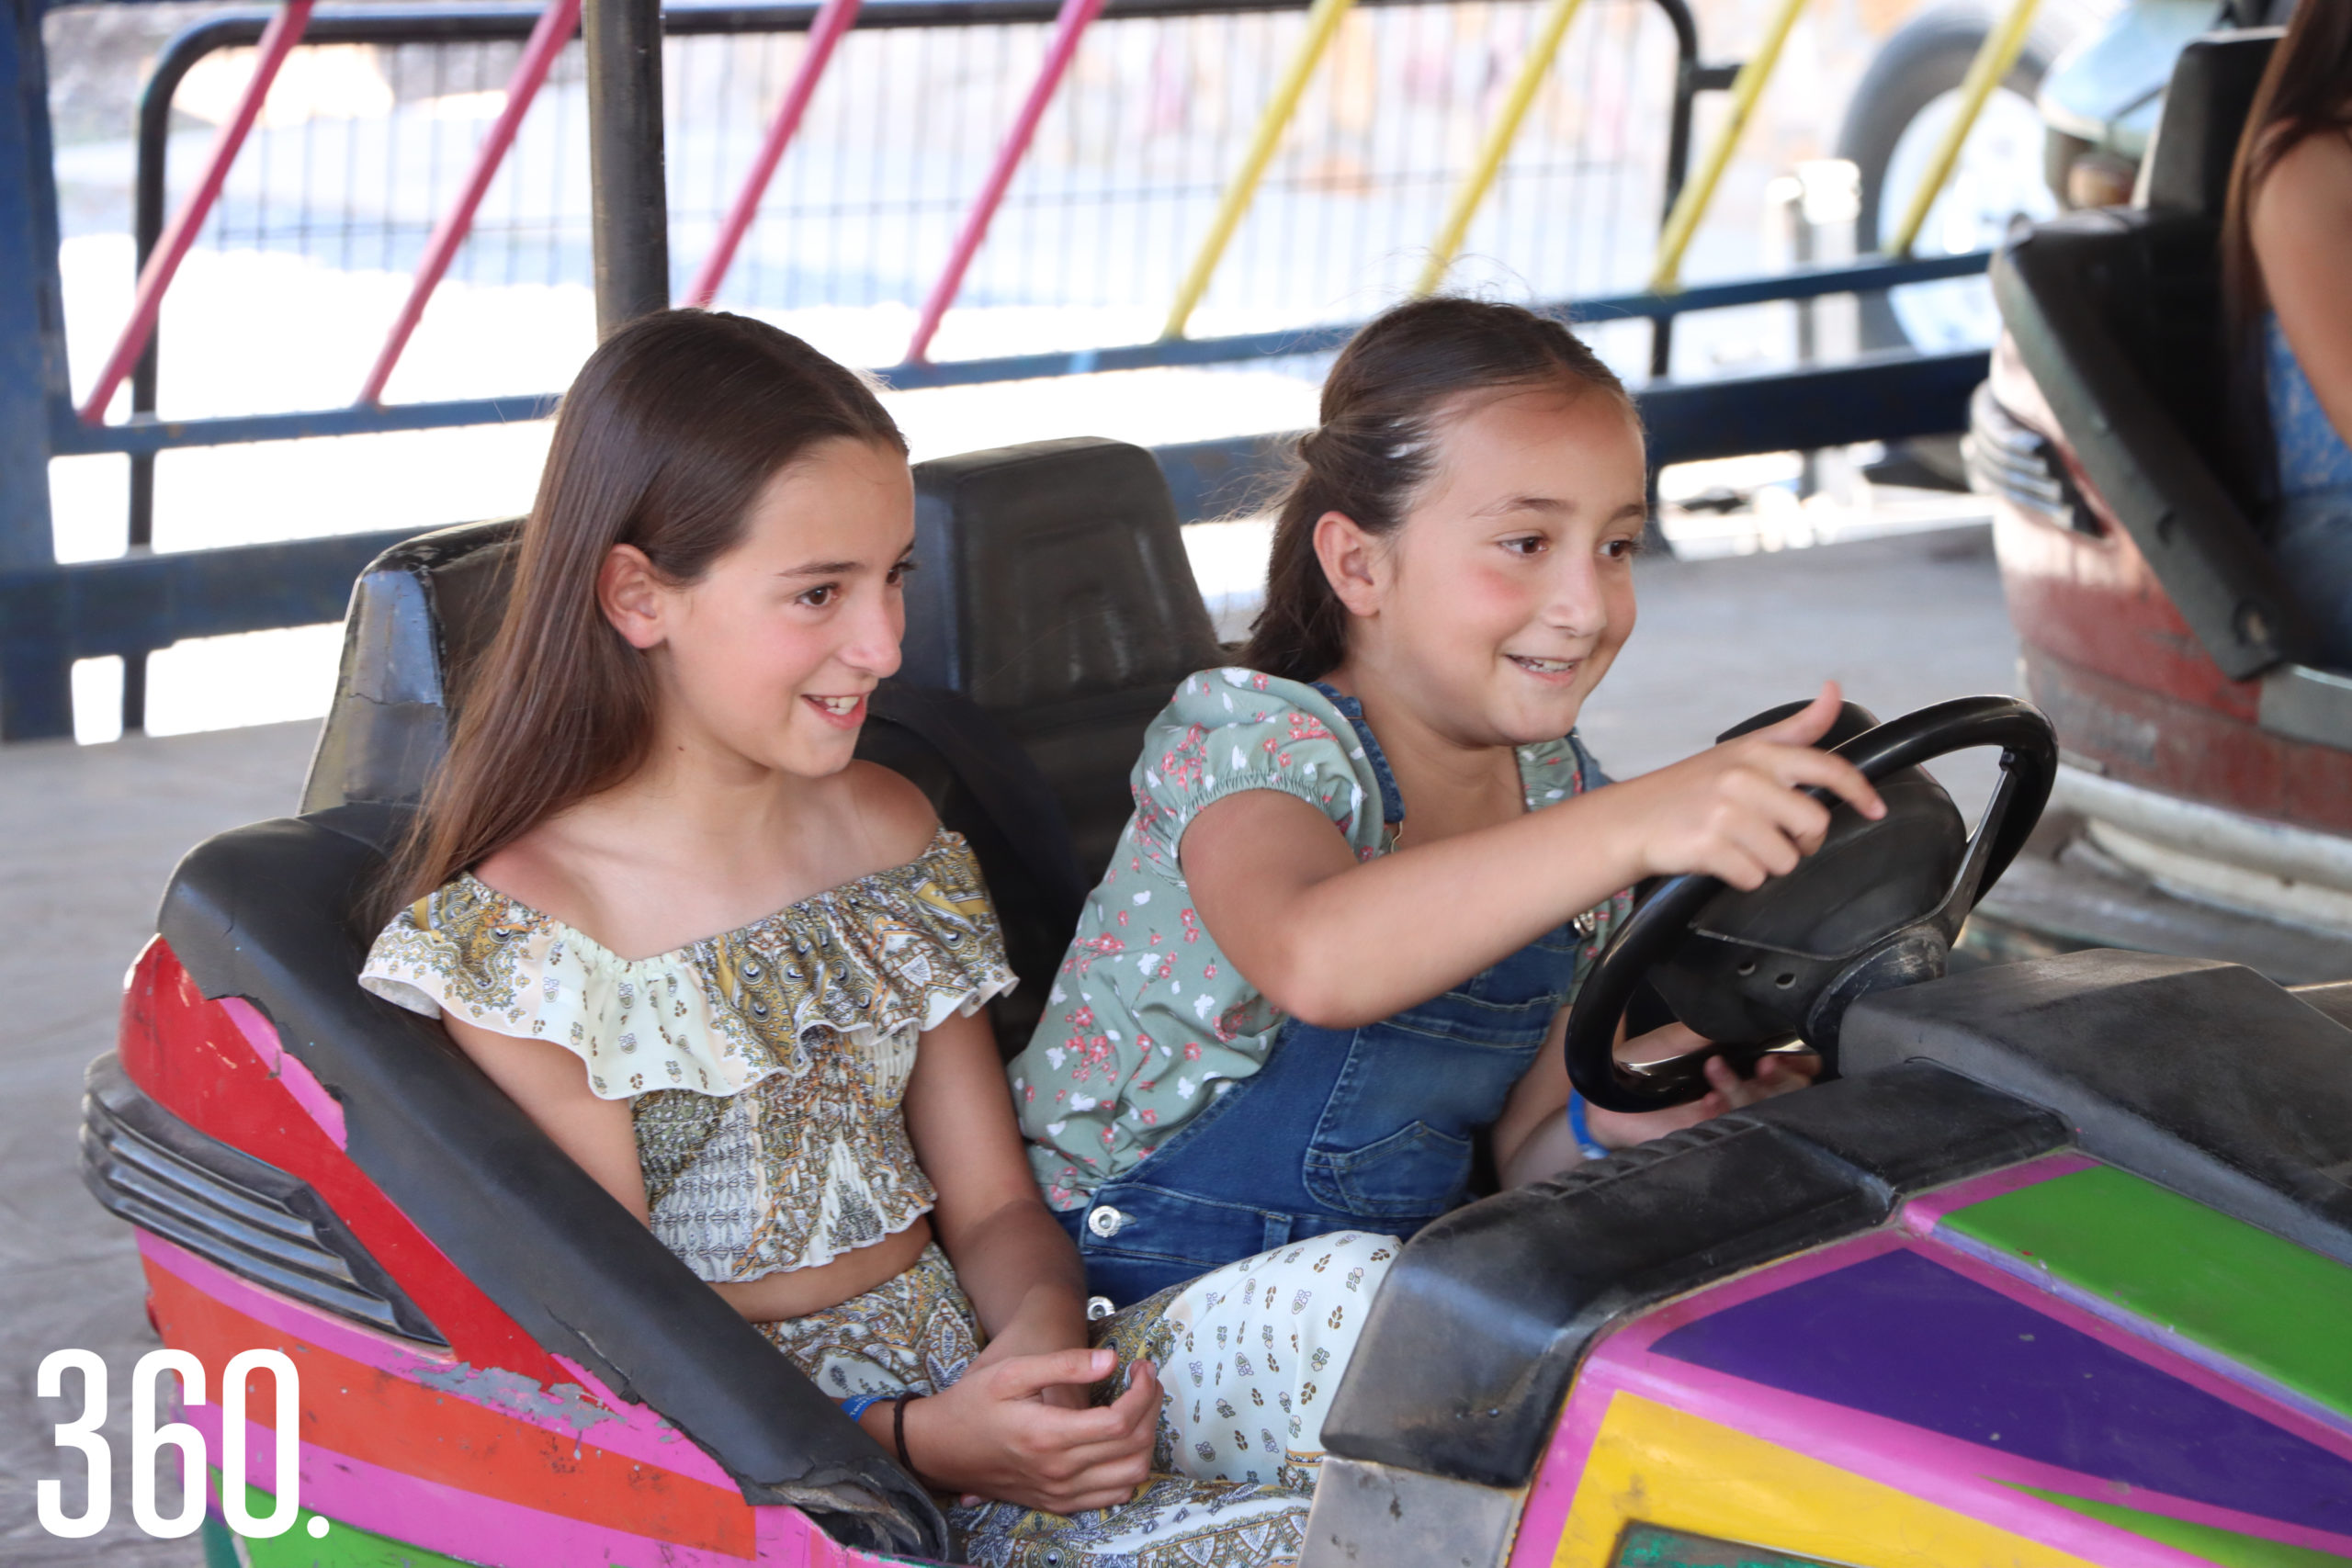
764	1067
1147	1020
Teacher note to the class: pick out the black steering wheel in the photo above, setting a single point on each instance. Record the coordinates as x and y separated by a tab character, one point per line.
1879	904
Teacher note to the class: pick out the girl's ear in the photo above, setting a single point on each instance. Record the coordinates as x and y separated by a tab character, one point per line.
1350	561
630	593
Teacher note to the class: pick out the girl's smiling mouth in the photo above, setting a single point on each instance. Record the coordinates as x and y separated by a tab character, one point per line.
1550	669
845	712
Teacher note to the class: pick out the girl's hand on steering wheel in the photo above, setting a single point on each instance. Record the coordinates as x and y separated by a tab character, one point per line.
1775	1074
993	1434
1737	811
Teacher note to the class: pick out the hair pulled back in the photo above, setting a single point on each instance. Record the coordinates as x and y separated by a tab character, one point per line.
1376	447
664	440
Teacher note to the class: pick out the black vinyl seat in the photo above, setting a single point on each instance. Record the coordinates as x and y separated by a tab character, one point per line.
421	614
2116	313
1055	592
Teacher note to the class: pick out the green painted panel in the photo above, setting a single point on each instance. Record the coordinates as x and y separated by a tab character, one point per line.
341	1547
2228	1548
2268	1304
1648	1546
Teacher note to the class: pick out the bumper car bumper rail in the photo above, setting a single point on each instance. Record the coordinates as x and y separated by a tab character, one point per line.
146	1166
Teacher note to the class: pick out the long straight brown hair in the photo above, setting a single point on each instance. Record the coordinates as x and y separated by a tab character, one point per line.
664	440
1375	447
2304	92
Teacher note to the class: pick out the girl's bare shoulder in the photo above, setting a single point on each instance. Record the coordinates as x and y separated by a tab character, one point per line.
2311	179
539	870
895	816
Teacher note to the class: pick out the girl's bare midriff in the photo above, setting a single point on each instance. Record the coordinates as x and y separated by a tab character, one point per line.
797	1292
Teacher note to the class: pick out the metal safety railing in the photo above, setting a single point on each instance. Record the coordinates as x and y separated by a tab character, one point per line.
1264	164
1179	52
1123	155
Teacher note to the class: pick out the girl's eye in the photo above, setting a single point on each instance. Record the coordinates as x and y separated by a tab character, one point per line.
1621	548
1528	545
817	598
898	572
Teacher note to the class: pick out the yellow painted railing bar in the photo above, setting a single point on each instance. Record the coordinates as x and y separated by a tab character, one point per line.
1505	130
1322	22
1691	205
1993	57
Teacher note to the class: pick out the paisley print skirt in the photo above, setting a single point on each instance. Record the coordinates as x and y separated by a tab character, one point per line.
1247	1356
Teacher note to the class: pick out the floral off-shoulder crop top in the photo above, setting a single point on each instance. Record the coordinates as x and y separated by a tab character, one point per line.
764	1068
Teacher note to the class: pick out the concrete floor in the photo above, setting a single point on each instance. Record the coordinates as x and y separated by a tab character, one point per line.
91	834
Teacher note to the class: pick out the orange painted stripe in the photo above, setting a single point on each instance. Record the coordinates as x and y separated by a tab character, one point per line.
368	1414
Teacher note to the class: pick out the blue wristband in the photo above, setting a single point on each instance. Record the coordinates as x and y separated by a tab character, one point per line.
859	1405
1577	1130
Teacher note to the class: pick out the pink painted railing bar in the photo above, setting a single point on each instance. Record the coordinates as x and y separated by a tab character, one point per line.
824	32
1068	27
277	40
556	25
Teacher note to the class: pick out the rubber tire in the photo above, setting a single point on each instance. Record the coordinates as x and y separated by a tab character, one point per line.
1926	58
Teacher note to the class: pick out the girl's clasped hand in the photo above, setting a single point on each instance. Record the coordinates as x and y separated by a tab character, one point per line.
1021	1428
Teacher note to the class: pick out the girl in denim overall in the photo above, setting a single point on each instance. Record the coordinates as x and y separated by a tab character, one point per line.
1369	861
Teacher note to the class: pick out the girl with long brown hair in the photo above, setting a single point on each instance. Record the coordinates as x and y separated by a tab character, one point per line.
2287	286
1369	861
735	973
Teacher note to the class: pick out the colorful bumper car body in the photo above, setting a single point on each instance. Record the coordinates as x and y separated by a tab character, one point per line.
2055	1271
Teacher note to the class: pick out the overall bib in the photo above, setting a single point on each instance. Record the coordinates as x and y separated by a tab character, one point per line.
1365	1129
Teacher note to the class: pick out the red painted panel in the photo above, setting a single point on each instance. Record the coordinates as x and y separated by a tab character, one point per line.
191	1056
2094	601
2118	669
2184	748
377	1416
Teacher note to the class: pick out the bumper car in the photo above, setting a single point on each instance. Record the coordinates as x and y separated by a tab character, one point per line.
2054	1272
2204	803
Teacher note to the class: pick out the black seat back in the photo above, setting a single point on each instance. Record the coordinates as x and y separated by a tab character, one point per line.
2187	169
421	614
1054	591
2117	315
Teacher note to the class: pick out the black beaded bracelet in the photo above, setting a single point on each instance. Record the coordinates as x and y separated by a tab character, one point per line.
898	1435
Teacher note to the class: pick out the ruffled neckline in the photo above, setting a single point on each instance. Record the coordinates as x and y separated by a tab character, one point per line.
873	961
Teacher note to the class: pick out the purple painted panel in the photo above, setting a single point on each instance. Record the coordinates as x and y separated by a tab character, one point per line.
1904	1338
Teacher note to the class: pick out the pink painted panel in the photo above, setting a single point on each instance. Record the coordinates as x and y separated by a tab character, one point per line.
508	1535
288	1069
1965	1477
590	1413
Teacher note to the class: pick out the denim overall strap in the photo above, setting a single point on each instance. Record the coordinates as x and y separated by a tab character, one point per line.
1367	1129
1392	803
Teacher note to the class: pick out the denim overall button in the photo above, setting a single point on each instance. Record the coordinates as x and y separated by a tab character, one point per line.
1105	1221
1098	1307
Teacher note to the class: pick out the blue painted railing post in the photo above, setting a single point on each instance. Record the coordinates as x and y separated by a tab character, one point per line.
35	697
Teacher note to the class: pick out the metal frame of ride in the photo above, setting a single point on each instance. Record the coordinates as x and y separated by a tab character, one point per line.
53	614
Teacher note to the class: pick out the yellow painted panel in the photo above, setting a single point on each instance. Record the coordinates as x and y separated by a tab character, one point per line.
1667	1467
